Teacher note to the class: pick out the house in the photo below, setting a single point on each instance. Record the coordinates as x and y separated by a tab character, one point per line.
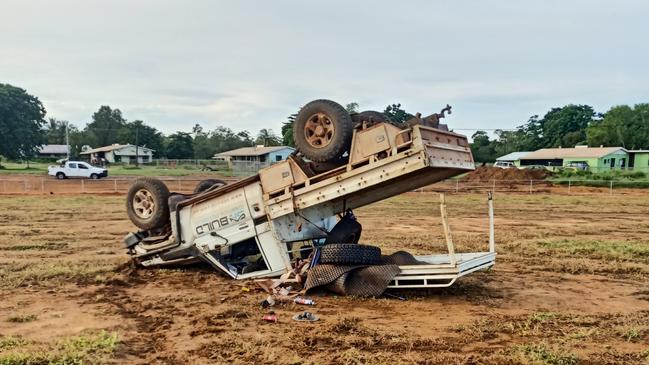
514	157
53	151
639	160
254	158
595	159
119	153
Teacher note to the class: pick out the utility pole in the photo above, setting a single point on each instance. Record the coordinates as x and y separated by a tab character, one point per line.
67	139
137	146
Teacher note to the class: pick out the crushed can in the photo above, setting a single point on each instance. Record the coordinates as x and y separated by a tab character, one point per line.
269	318
305	301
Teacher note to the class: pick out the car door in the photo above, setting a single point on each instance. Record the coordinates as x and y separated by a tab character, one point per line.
71	170
83	170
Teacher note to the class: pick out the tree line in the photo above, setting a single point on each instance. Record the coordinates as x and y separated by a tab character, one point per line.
24	128
621	126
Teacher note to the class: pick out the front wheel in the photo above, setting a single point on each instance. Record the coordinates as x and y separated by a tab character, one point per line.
94	176
206	184
147	203
60	175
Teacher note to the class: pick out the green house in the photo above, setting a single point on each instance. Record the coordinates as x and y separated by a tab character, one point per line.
639	160
595	159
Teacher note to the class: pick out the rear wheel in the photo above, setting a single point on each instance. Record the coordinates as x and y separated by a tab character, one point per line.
208	184
147	203
371	117
60	175
323	130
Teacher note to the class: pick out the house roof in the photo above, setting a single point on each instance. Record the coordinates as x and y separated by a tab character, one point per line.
53	149
110	148
577	152
253	151
514	156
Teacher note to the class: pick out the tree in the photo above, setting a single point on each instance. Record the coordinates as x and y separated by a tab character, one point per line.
482	148
266	137
622	126
105	126
203	147
287	131
22	117
352	107
397	114
180	146
138	133
55	130
566	126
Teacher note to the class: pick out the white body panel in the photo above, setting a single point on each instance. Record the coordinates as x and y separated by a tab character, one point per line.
76	169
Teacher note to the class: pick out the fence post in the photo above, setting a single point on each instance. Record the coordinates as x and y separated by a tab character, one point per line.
611	188
568	185
457	185
115	185
531	186
493	187
42	185
83	186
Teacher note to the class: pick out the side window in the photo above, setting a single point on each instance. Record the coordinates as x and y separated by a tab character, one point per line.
82	166
72	165
278	158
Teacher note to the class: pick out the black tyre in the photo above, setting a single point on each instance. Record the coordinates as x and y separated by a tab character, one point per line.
371	117
94	176
147	203
323	130
60	175
208	183
350	254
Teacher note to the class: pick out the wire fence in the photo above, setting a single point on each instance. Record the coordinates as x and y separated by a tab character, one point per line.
49	185
46	185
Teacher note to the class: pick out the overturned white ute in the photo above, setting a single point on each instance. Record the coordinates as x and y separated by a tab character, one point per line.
258	226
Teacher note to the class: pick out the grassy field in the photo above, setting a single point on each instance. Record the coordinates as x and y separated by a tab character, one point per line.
117	170
570	287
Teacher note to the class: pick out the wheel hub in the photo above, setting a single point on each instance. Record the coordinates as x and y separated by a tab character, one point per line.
143	204
319	130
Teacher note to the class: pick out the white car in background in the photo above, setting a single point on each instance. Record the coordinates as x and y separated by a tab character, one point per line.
504	164
77	169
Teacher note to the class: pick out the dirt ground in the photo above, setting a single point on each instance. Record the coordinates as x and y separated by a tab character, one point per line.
570	286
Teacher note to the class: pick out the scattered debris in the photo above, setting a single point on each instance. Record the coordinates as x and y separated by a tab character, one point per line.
305	301
270	317
394	296
305	317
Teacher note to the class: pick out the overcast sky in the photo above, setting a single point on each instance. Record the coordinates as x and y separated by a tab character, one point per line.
249	64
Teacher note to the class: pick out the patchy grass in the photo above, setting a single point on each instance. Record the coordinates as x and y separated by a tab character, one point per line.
541	354
597	249
17	275
22	318
119	170
35	246
11	342
633	334
85	349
